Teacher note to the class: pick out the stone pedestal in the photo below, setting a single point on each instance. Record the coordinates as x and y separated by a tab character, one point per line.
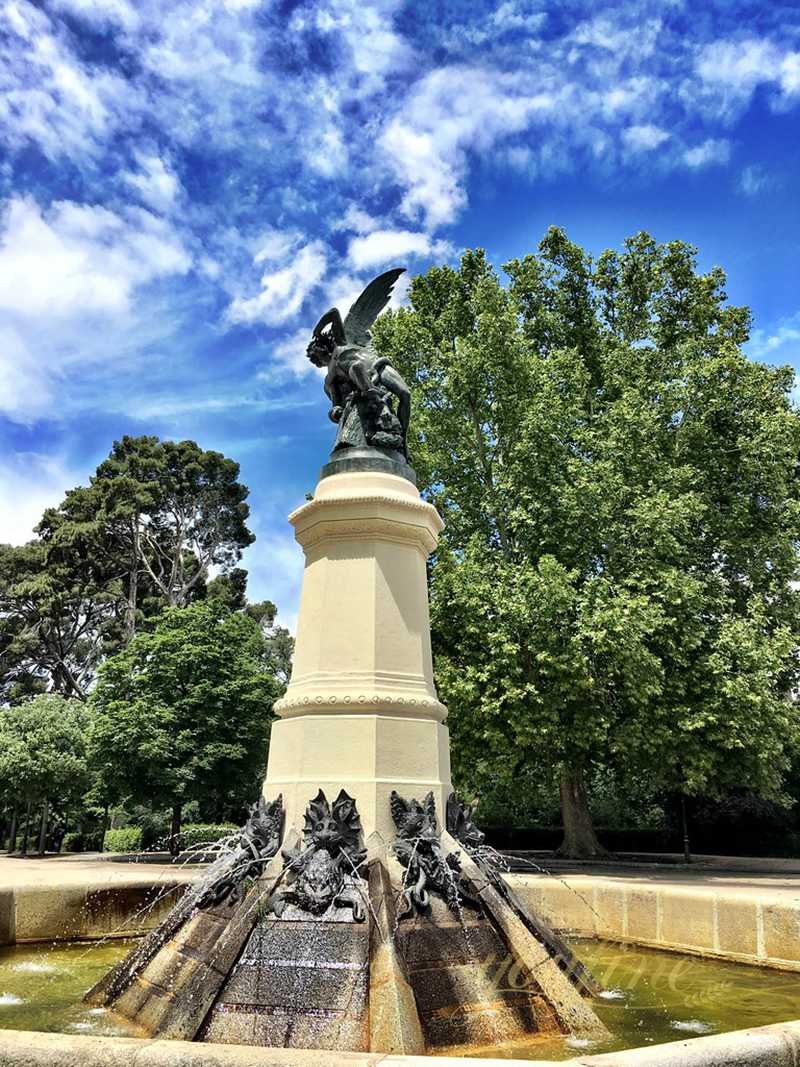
361	711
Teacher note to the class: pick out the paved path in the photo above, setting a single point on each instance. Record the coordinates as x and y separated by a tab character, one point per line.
86	868
749	876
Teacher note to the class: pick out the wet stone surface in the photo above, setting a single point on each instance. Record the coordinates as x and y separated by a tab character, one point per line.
298	983
468	988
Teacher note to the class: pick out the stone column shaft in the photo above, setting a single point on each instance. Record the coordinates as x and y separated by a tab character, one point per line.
361	711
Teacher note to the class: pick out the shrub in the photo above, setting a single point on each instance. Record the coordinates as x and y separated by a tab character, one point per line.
125	839
200	833
73	842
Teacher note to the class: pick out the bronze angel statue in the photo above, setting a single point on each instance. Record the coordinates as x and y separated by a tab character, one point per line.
363	388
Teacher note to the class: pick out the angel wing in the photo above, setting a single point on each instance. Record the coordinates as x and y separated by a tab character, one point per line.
369	305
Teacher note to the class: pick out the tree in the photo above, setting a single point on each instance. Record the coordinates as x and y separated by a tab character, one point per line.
616	579
57	611
162	513
43	755
183	713
145	534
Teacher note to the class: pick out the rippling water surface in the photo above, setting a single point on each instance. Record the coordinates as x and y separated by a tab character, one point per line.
650	997
41	987
653	997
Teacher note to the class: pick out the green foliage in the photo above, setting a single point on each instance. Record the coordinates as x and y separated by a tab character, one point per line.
56	613
615	584
73	842
124	839
183	712
143	535
194	834
43	749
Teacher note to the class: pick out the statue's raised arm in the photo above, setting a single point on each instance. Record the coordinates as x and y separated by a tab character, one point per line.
370	401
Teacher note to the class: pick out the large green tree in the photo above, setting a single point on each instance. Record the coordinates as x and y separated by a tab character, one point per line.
58	611
43	760
156	519
183	712
163	513
616	579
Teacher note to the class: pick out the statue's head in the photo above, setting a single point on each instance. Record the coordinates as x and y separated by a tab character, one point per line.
320	350
327	333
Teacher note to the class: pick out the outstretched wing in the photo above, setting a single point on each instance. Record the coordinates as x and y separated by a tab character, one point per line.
369	305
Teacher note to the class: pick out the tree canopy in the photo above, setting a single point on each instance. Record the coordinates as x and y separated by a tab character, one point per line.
183	712
616	582
156	519
43	752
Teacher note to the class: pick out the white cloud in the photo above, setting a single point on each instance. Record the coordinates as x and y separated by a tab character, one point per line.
283	290
382	246
755	180
26	388
68	280
157	185
357	221
275	245
29	483
734	69
644	138
508	16
48	96
780	345
610	33
711	151
102	11
365	30
275	564
78	258
288	358
453	111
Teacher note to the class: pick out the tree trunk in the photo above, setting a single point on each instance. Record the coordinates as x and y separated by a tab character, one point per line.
580	840
12	836
130	612
175	830
27	828
106	826
687	849
43	827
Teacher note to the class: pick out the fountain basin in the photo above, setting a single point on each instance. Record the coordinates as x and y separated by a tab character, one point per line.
652	996
749	925
732	919
767	1046
67	900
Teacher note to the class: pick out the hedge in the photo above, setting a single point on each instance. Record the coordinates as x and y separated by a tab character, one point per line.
200	833
125	839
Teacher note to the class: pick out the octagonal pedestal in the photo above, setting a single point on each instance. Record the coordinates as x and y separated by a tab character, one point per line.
361	712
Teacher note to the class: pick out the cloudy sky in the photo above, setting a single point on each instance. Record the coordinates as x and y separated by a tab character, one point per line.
188	184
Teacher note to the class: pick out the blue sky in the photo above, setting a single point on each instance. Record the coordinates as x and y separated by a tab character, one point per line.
187	185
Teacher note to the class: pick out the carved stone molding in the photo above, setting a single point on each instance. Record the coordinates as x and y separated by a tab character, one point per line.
394	500
367	528
368	703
